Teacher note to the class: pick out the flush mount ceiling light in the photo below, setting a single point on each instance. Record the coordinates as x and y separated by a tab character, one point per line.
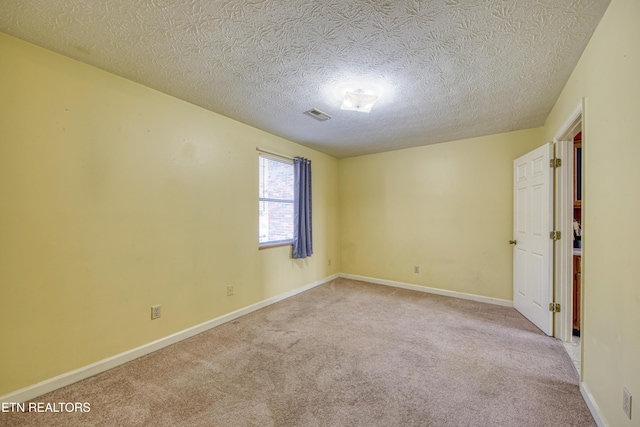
358	100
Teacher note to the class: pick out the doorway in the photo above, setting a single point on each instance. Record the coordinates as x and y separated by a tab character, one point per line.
569	142
573	346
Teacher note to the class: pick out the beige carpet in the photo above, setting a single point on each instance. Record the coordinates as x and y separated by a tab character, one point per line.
346	353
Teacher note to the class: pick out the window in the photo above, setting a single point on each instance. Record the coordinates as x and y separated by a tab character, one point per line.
276	200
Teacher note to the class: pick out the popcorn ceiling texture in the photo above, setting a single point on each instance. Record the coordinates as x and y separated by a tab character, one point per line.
446	69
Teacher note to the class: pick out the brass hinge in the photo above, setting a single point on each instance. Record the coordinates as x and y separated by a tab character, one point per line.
555	163
554	307
555	235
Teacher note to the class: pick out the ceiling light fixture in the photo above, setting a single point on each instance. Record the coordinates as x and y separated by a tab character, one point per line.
358	100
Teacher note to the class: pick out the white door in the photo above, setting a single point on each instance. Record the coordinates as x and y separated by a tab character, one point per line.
533	250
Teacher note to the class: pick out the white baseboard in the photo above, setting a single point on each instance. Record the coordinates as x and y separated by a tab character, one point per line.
592	405
38	389
454	294
71	377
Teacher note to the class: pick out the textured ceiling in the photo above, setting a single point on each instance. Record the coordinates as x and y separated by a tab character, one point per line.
443	69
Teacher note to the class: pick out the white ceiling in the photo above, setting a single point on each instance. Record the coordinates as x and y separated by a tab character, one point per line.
444	69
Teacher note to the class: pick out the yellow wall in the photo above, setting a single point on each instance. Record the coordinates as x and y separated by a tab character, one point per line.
445	208
607	76
114	198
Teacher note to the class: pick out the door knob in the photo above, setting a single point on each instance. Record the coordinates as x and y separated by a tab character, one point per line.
512	242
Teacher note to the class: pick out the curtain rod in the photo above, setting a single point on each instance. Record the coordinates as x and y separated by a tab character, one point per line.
273	153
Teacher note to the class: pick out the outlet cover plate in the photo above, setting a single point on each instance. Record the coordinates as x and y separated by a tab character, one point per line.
626	402
156	312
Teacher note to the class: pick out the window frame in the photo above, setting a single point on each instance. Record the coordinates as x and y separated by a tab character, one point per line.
286	160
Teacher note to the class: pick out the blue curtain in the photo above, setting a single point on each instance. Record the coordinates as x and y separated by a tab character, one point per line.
302	240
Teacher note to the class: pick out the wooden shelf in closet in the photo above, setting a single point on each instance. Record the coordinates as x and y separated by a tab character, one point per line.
577	276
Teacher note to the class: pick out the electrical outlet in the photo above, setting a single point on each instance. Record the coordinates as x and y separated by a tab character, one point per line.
416	269
329	262
229	290
626	402
155	312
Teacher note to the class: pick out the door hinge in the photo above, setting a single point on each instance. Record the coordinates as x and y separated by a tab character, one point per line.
555	235
554	307
555	163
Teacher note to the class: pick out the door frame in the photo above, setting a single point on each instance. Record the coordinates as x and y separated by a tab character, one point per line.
563	140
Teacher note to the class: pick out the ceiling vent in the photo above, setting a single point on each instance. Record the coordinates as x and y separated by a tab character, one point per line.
314	112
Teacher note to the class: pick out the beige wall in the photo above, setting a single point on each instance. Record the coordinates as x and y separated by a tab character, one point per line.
607	76
445	208
115	198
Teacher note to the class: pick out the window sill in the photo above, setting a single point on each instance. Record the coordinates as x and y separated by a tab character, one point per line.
274	245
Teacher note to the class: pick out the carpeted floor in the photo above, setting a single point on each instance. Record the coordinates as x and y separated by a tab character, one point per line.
346	353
